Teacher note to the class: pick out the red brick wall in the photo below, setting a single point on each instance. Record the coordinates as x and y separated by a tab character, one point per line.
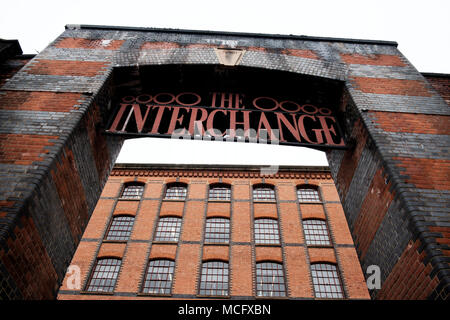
441	84
375	59
66	67
242	254
89	43
391	86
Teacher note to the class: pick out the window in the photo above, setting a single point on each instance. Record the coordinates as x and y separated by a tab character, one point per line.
217	230
220	192
270	280
263	193
266	231
133	191
158	279
308	194
214	279
104	275
168	229
326	281
120	228
316	232
176	191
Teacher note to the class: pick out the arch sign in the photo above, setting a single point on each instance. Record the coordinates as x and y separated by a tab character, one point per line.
226	116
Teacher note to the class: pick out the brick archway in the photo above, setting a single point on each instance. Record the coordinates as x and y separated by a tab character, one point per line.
54	157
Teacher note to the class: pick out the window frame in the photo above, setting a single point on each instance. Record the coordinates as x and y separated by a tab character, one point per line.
222	186
325	224
175	185
338	277
264	186
200	282
283	277
205	241
265	233
309	187
144	280
132	184
105	238
94	270
179	219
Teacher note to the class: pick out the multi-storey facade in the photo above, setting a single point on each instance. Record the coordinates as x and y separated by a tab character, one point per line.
183	232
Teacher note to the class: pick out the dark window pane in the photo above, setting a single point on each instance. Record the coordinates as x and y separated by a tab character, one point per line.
316	232
214	279
263	193
168	229
308	195
270	280
120	228
104	275
133	191
176	192
220	193
326	281
266	231
217	230
158	279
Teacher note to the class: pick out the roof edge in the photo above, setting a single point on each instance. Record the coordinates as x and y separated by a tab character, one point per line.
231	33
141	166
436	75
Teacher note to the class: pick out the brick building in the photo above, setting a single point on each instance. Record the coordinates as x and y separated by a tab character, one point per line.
392	176
190	231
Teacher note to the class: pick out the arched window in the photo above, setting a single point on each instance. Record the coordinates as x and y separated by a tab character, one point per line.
270	279
133	190
176	191
104	275
120	228
263	192
220	192
168	229
266	231
217	230
214	279
326	281
316	232
307	193
158	279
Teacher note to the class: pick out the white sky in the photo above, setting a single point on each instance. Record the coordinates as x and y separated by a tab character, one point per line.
421	28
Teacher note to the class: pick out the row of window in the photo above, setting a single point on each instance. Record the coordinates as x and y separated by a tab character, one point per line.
214	279
217	230
261	192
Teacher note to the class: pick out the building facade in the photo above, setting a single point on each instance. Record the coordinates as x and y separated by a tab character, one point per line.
184	232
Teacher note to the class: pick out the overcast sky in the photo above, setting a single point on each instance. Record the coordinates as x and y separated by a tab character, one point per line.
421	28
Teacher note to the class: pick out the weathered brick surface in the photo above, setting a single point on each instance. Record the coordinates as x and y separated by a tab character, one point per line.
24	149
425	173
40	101
412	123
391	86
73	43
65	68
375	59
372	212
441	83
